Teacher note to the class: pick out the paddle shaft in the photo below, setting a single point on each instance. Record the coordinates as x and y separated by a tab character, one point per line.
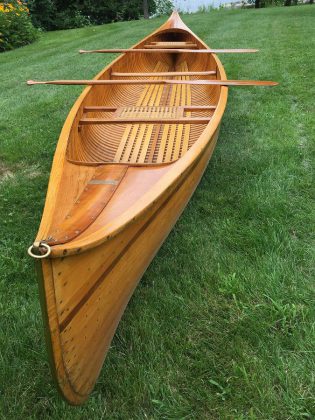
169	50
156	82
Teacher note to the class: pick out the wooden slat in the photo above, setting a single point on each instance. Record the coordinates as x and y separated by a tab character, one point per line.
131	141
167	131
185	101
184	120
99	108
139	141
175	100
145	139
122	143
179	135
198	108
185	141
163	144
145	145
165	73
172	132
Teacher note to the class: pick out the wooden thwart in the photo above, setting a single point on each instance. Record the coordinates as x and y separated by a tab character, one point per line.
139	120
170	45
179	43
167	73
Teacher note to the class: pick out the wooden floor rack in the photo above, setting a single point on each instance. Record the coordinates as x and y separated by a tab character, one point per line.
148	115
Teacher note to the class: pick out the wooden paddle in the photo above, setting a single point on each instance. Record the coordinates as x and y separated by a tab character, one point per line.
156	82
168	50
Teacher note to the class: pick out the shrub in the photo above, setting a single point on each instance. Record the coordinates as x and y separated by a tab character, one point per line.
43	13
16	28
71	19
59	14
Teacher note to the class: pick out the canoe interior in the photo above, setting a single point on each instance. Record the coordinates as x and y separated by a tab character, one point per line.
141	143
87	192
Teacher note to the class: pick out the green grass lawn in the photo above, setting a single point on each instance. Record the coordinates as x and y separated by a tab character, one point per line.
222	324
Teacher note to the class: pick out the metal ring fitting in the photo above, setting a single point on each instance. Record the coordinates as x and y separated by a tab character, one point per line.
37	247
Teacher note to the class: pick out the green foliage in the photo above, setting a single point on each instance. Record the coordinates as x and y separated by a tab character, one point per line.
57	14
43	13
164	7
16	28
267	3
71	19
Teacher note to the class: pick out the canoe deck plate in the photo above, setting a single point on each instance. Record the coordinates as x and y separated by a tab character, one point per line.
89	205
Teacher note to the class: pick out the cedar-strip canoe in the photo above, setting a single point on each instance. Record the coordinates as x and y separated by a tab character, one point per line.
128	159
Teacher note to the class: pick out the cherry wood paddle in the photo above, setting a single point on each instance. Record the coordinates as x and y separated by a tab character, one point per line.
169	50
156	82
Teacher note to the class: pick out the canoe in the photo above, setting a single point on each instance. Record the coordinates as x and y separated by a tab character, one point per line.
129	157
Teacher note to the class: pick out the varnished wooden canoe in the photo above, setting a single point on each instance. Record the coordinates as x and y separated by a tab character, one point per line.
128	159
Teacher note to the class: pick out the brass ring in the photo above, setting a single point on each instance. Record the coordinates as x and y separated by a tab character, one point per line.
39	256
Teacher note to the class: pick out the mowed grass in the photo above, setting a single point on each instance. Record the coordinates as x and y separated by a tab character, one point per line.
222	323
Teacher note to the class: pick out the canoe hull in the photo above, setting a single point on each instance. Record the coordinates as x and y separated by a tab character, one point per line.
94	287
